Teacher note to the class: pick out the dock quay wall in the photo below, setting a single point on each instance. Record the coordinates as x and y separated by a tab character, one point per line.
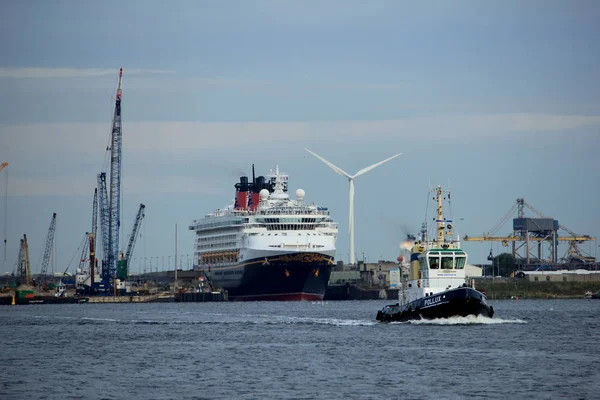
201	297
507	288
159	298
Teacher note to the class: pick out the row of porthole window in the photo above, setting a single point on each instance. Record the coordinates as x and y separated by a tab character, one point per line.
216	238
216	245
207	225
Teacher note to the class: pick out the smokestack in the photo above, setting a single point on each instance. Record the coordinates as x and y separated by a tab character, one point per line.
241	195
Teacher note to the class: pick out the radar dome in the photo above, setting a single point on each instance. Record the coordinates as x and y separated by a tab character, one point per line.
264	194
300	194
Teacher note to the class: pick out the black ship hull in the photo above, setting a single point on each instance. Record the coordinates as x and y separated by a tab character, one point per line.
462	302
289	277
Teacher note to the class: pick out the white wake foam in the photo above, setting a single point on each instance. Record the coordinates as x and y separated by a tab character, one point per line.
322	321
468	320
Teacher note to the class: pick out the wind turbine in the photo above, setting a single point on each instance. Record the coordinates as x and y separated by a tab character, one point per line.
351	180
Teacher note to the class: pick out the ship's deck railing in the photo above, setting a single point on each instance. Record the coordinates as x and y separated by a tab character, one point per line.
309	209
453	281
292	211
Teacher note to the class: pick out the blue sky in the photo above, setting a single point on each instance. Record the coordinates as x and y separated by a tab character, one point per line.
500	99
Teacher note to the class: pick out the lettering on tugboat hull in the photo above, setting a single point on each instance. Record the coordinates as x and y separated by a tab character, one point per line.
431	301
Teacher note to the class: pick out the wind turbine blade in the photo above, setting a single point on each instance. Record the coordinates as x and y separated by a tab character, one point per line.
333	167
367	169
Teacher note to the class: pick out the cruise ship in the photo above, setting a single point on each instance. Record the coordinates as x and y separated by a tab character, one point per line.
266	246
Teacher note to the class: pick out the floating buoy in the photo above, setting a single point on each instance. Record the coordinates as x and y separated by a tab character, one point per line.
517	298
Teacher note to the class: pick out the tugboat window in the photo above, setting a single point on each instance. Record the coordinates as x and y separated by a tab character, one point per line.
434	262
447	263
460	262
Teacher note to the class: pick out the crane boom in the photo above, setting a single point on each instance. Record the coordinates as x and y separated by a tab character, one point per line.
505	218
3	165
47	251
123	271
103	200
136	226
95	213
83	257
114	218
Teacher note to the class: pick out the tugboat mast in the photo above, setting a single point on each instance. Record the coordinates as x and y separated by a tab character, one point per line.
440	216
441	222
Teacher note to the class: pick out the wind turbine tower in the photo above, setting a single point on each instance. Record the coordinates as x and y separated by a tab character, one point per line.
351	181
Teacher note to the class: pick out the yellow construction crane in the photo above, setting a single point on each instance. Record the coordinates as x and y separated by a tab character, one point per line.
525	233
506	239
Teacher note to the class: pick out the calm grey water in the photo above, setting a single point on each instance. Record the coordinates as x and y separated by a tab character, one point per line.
545	349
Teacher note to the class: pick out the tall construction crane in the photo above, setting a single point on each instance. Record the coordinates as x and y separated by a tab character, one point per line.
123	271
104	212
114	217
43	281
2	166
95	213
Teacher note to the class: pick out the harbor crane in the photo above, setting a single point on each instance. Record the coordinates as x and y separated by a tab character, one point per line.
109	202
114	217
528	232
43	281
123	271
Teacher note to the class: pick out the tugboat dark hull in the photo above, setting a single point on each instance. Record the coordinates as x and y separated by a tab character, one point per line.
461	302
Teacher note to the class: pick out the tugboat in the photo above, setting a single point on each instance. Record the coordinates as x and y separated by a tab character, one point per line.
436	286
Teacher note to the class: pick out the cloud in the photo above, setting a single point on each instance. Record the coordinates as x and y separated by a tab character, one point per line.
133	185
54	73
191	157
184	137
